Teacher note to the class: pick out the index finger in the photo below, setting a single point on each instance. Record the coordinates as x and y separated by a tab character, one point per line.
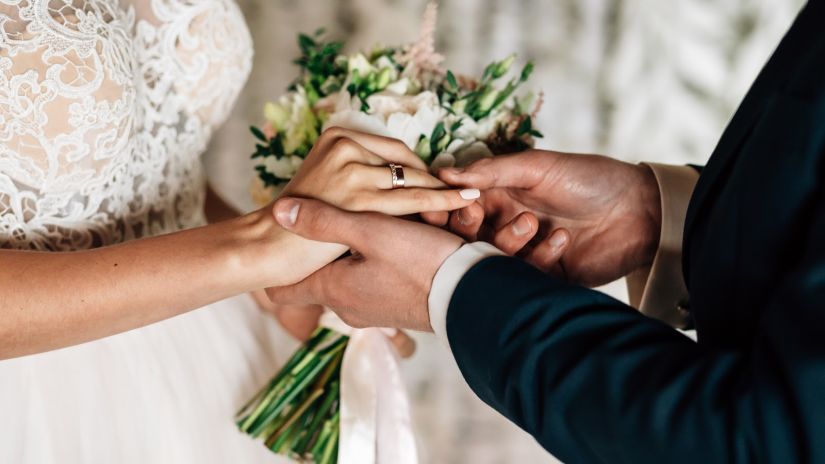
390	149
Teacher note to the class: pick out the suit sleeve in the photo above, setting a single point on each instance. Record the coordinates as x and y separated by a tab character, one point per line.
593	380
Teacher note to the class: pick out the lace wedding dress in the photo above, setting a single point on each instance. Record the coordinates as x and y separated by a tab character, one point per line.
105	109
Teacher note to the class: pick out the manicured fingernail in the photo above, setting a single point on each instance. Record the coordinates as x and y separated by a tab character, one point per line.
388	331
521	227
287	213
558	240
470	194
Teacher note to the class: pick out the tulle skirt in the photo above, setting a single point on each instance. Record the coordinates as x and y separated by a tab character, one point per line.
166	393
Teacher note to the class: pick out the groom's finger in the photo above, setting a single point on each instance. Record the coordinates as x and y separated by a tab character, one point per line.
547	254
514	235
498	171
319	221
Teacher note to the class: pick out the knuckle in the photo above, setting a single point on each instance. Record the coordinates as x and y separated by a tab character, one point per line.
333	132
481	164
349	173
321	222
343	148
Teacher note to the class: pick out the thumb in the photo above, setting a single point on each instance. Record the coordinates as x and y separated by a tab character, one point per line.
498	171
316	220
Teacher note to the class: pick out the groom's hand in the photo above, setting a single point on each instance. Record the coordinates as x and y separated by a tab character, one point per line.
385	283
590	219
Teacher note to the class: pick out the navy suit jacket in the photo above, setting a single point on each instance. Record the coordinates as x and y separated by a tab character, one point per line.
593	380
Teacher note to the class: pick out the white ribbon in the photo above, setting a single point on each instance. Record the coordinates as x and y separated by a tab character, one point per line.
376	427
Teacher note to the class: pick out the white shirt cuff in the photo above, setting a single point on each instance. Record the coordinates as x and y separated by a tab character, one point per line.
446	280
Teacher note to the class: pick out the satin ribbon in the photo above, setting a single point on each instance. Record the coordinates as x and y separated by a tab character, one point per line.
376	427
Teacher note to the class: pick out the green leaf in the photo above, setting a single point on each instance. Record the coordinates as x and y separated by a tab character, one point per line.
422	148
489	71
452	81
260	151
276	146
525	126
502	67
258	133
526	72
456	125
305	42
438	133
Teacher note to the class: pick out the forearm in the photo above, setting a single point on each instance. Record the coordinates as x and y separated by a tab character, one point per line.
594	381
52	300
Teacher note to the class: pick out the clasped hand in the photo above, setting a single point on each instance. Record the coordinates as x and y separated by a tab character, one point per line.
585	218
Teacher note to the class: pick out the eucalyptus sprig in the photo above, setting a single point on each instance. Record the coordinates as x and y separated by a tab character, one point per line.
324	69
486	97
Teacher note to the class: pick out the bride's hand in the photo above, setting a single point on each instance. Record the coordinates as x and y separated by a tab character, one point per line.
348	169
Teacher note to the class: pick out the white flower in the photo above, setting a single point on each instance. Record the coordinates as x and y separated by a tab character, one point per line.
406	118
399	87
479	130
292	117
360	63
471	153
284	167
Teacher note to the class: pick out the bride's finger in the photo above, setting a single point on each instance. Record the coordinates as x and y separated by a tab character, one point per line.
389	150
381	177
404	201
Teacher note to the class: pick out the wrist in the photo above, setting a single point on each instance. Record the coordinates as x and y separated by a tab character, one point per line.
252	249
271	255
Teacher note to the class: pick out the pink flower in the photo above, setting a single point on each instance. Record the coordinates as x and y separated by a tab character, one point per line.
268	131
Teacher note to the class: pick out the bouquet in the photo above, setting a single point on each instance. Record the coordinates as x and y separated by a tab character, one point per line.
400	92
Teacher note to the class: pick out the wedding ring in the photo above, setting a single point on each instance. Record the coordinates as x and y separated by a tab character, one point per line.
397	172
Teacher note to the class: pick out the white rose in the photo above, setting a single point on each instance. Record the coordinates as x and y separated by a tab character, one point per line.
399	87
359	121
402	117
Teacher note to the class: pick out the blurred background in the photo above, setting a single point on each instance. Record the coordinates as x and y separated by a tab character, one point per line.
635	79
